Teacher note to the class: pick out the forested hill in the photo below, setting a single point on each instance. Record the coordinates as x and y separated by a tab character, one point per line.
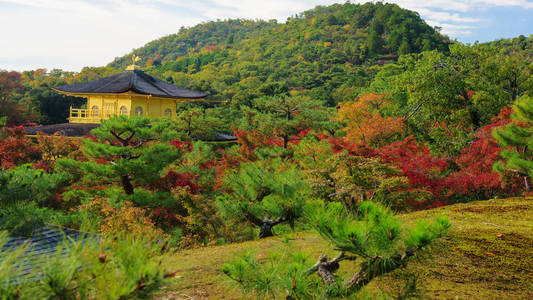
328	52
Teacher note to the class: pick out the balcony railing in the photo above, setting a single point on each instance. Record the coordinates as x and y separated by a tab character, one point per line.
82	115
87	115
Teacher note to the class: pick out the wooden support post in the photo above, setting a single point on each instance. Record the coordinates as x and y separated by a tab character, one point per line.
147	106
175	110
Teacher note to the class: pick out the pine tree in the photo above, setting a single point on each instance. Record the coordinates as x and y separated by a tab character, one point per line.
126	150
372	235
264	194
517	141
404	48
374	40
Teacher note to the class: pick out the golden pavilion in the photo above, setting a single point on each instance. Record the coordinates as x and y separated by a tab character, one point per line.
129	93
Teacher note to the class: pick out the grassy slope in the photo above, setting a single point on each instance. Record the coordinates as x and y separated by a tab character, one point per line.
474	262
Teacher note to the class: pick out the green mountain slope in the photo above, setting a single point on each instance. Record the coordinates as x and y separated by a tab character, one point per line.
328	52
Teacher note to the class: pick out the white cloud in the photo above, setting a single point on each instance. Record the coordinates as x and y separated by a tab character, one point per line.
72	34
454	29
441	16
270	9
449	14
518	3
460	5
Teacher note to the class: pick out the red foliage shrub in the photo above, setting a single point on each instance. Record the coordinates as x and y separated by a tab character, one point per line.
226	163
173	180
180	145
56	146
476	176
16	148
42	165
469	176
163	217
304	132
249	141
208	165
91	137
354	149
417	164
101	161
275	142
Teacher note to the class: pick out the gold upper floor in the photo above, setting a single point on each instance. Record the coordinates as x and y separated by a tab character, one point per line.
105	106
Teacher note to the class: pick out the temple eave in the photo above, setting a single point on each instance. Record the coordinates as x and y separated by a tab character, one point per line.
128	93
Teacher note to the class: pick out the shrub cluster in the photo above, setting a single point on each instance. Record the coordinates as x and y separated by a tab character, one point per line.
123	267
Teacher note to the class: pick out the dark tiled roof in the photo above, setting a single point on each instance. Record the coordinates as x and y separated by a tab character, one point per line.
131	80
223	137
65	129
43	243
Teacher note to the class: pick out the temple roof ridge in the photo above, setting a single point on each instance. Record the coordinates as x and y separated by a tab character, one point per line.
130	80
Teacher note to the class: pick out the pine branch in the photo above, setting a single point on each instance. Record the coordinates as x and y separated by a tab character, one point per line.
373	267
326	268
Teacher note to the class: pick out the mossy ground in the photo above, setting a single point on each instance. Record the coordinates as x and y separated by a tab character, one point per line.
488	254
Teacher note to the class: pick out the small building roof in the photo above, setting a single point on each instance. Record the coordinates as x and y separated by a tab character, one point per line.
130	80
43	243
83	129
64	129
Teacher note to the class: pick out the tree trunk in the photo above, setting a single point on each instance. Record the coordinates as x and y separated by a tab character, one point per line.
126	184
368	270
266	225
265	230
326	267
360	278
474	116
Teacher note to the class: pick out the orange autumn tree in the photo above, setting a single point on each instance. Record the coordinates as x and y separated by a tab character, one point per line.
57	146
364	121
126	218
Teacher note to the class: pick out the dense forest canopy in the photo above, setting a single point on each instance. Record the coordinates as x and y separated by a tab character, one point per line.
338	24
325	52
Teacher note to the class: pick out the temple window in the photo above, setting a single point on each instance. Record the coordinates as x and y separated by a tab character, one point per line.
94	111
168	112
123	111
138	111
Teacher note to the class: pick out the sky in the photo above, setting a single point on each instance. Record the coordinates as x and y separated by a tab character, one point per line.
71	34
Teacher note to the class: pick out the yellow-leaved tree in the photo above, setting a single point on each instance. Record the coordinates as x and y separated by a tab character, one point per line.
365	122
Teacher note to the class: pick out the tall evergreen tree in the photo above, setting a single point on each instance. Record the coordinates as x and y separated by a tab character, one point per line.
517	141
